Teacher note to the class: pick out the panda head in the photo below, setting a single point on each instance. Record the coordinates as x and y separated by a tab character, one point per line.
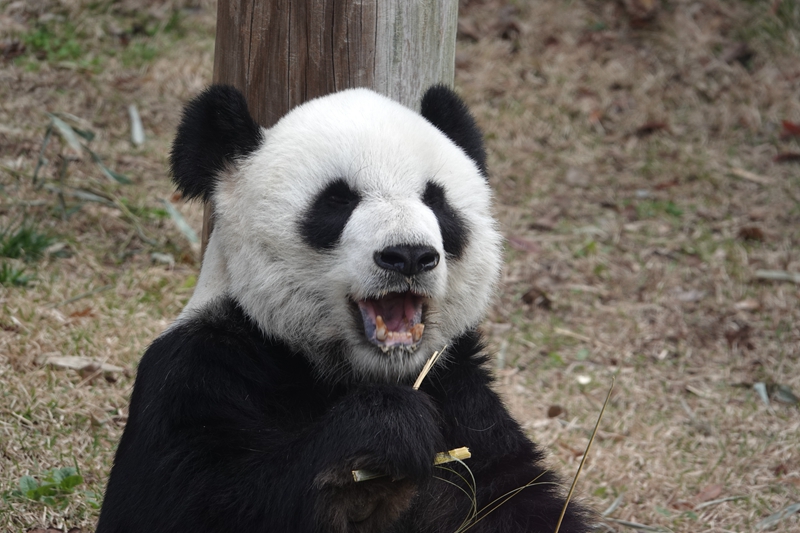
355	230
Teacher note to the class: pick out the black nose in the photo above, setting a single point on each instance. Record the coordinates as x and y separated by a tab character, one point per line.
406	259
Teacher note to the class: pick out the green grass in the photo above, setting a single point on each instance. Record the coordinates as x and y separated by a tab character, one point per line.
55	42
62	41
10	275
23	242
781	27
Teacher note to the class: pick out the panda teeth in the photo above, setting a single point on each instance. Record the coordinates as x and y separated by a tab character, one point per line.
380	328
416	331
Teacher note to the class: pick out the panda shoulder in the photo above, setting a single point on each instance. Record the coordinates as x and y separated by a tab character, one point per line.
217	342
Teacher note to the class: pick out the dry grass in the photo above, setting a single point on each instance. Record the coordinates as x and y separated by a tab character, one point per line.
632	247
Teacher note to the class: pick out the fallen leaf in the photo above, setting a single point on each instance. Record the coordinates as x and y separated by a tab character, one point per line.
11	48
761	390
640	12
682	505
751	233
551	40
787	157
784	394
781	469
86	311
74	362
789	129
536	296
740	336
750	304
649	128
773	519
711	492
666	184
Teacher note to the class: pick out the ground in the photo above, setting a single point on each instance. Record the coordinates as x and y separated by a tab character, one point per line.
645	161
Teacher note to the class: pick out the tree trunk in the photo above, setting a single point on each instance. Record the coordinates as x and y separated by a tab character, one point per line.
280	53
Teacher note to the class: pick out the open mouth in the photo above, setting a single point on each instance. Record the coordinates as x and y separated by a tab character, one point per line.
393	320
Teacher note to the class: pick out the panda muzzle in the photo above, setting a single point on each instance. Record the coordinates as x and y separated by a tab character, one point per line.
393	320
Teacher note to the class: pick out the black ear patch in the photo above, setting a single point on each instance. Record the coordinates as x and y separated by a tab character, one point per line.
445	110
216	128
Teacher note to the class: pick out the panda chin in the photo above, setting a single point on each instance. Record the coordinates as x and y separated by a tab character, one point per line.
393	321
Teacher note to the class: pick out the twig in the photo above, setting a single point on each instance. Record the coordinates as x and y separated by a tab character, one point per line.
578	336
716	502
635	525
778	275
456	454
427	368
750	176
585	455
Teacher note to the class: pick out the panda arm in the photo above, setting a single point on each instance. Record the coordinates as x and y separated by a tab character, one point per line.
209	444
503	458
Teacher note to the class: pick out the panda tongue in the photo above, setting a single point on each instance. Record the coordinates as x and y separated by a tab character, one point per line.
397	311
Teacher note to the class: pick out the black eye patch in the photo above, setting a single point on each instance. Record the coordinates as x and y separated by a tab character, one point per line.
451	225
324	222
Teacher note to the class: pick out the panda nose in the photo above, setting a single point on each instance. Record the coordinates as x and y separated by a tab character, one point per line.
407	259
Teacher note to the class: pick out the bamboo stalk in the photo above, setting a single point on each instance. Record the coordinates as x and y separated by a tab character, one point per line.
456	454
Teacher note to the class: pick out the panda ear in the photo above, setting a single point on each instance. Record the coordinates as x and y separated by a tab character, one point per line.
445	110
216	129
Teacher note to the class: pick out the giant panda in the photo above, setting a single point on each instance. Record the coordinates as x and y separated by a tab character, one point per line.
351	240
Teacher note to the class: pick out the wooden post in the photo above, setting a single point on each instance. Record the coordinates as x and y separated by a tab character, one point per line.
280	53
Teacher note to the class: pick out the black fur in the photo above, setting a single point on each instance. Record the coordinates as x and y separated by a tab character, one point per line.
216	129
445	110
451	225
328	214
230	431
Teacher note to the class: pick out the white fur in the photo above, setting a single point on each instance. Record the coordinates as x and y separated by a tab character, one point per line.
387	153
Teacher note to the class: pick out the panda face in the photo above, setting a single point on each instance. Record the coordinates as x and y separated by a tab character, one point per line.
356	232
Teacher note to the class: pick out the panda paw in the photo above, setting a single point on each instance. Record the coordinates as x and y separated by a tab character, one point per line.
391	431
387	429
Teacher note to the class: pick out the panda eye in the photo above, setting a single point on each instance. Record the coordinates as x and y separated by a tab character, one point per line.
340	200
325	219
451	224
339	194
